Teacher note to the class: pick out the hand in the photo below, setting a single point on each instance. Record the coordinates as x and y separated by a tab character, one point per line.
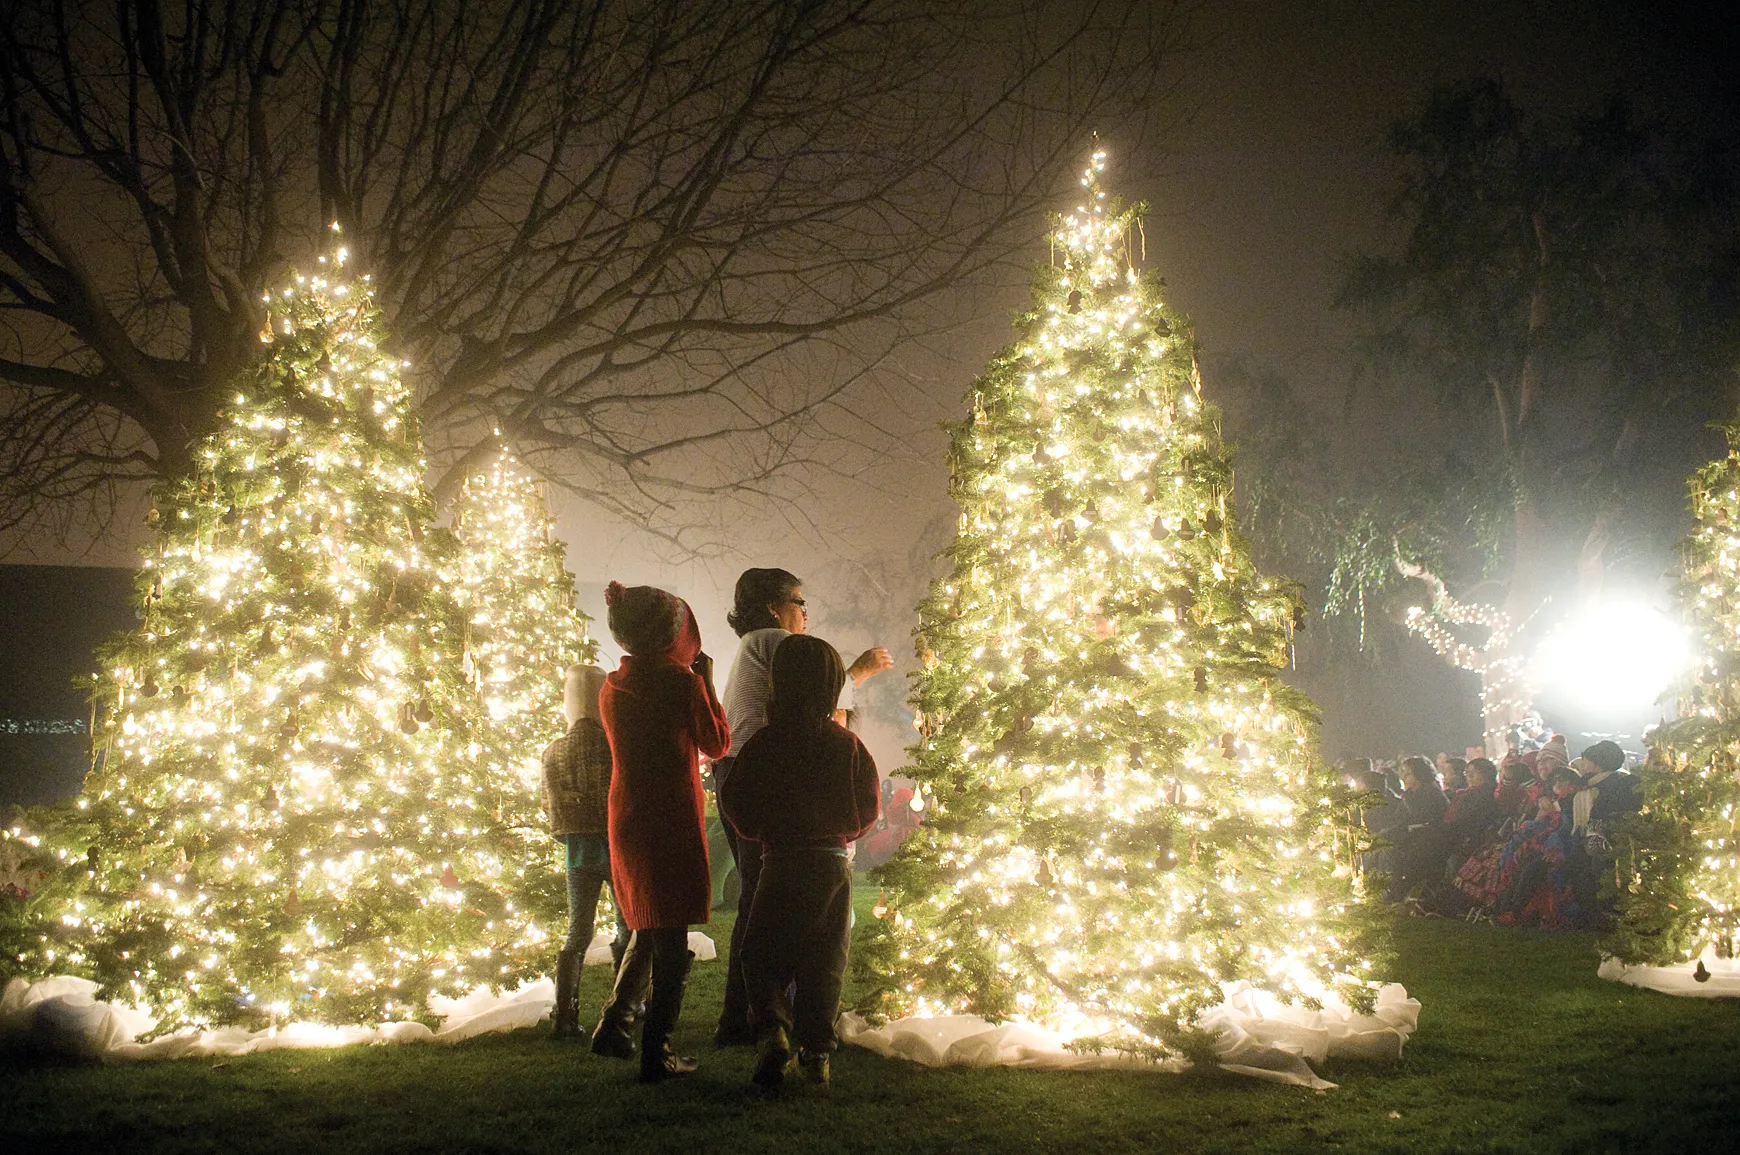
703	666
870	663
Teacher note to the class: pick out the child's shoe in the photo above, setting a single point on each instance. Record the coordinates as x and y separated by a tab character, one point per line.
772	1055
814	1066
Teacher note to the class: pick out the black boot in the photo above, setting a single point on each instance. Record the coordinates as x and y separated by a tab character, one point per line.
670	978
612	1037
567	1012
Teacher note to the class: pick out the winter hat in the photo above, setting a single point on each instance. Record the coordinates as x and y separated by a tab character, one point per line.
1606	755
1553	752
642	619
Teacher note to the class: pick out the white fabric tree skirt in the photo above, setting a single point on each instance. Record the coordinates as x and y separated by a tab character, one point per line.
1258	1035
1681	978
62	1015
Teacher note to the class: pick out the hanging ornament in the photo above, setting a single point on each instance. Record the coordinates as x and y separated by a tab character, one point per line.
1073	302
1092	512
1186	531
232	514
407	720
448	878
150	688
1201	676
1029	658
1099	432
1053	501
1158	530
1026	797
1046	877
424	712
291	727
270	801
1099	779
1041	455
153	516
293	904
1066	532
880	910
1103	628
1164	858
1228	747
1134	754
179	697
1212	524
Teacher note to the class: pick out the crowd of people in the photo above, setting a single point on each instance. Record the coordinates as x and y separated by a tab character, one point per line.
794	788
1523	842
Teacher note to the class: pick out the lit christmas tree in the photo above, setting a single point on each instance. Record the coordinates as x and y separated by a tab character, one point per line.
1123	808
294	818
523	629
1678	864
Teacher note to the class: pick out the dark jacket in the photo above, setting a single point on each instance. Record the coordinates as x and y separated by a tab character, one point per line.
802	785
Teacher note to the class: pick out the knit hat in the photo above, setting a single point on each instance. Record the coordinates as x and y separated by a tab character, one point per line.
642	619
1553	752
1607	755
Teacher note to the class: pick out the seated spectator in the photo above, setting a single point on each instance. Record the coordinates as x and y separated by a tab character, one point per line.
1516	774
1383	815
1451	772
1473	814
1420	849
1609	792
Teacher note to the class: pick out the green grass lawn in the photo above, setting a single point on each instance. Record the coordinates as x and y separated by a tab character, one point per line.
1520	1048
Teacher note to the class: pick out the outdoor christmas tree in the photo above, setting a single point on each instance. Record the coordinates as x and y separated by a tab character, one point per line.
1678	864
294	816
1123	805
522	629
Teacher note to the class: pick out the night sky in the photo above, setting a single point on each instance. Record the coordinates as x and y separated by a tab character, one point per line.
1264	171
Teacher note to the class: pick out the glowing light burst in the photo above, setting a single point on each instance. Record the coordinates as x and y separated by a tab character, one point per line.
1122	806
298	811
1612	655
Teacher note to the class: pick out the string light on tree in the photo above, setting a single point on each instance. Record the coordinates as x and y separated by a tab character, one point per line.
523	628
1678	865
1123	809
1505	699
294	816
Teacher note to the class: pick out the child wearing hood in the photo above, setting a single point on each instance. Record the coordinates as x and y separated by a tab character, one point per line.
802	787
661	715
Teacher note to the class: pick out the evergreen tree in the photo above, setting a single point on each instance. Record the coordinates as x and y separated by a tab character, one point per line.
1678	862
522	629
294	815
1123	805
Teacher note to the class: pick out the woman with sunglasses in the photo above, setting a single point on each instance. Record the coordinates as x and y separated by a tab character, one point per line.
767	608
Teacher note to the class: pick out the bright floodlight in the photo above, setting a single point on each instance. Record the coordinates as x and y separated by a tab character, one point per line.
1614	655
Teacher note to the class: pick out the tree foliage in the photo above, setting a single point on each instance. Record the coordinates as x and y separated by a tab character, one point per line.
1124	807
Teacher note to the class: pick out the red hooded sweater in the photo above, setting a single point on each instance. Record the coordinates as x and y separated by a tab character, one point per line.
660	719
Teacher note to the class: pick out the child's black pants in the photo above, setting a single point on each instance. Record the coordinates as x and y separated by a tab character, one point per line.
799	932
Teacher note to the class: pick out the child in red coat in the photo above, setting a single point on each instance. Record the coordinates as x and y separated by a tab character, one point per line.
661	714
803	787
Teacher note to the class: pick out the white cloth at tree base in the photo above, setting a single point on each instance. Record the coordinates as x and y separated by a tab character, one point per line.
61	1015
1681	978
1257	1035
